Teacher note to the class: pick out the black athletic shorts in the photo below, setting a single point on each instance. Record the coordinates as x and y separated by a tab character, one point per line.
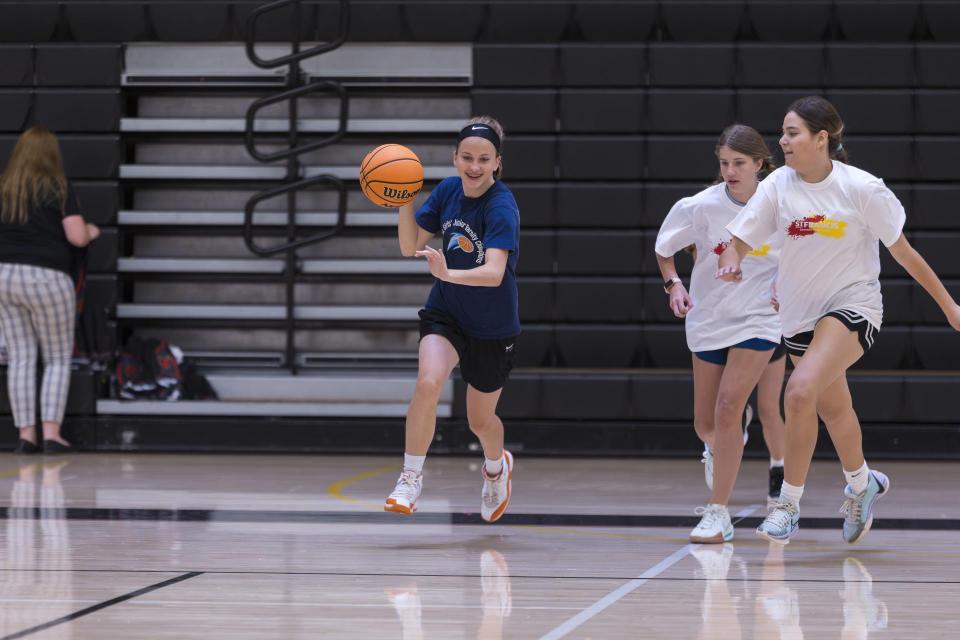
866	332
484	364
779	352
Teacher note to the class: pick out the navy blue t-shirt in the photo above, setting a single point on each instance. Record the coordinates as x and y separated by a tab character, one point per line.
470	226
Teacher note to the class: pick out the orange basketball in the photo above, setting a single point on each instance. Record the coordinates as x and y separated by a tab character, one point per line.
391	175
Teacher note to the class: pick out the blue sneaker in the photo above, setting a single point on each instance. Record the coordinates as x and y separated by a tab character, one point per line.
858	508
781	523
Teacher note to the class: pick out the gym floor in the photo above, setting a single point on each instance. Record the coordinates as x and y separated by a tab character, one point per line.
196	546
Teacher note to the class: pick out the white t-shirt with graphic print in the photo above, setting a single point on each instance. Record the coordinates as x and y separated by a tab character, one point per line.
724	313
828	233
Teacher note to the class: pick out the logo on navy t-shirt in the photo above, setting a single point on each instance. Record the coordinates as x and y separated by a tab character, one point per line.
461	241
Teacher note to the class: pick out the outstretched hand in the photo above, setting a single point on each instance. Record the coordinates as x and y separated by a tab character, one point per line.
436	261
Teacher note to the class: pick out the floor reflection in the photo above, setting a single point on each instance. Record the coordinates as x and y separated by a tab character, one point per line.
719	608
37	582
496	595
777	606
862	611
496	600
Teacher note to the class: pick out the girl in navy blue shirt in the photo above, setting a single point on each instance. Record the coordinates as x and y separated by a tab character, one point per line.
471	316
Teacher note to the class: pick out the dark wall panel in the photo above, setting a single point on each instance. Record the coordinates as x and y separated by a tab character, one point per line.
27	22
78	65
107	22
16	65
70	110
515	66
588	65
616	21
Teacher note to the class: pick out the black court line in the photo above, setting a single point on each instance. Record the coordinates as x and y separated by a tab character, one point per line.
456	518
103	605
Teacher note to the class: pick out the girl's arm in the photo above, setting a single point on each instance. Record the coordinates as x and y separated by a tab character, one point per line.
490	274
79	232
731	258
920	271
412	236
679	301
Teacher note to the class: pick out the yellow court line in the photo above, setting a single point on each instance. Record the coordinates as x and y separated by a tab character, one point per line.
14	473
335	490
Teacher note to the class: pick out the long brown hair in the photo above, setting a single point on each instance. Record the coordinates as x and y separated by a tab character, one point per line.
33	176
820	115
748	141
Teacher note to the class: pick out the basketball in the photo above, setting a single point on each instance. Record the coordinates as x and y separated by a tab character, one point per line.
391	175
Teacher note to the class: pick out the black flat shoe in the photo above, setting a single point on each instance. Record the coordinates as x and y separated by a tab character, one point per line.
26	447
52	446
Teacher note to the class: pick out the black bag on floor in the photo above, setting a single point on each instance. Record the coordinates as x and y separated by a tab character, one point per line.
148	370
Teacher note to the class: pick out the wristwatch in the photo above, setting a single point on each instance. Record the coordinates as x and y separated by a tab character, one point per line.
669	283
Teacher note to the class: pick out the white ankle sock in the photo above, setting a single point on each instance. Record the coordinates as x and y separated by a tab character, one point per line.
413	463
493	467
858	479
776	462
791	493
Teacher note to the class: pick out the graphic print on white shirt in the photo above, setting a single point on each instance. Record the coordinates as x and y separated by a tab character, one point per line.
724	313
828	233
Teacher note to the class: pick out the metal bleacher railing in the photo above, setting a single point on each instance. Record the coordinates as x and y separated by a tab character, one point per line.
292	182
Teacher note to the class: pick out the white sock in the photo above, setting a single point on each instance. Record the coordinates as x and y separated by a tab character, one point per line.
413	463
791	493
776	462
858	479
493	467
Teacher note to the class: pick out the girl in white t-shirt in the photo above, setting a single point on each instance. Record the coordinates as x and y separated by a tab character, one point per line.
827	217
732	329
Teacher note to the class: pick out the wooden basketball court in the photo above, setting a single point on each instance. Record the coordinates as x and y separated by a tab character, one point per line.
194	546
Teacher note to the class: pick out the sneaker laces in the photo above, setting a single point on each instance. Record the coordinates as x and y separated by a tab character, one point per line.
491	491
711	514
852	507
782	514
406	486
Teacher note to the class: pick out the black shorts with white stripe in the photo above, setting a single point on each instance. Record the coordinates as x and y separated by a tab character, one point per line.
865	330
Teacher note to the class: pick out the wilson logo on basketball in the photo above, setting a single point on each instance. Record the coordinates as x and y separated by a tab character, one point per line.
399	194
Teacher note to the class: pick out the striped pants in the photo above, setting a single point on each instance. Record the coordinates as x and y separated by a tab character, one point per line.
37	306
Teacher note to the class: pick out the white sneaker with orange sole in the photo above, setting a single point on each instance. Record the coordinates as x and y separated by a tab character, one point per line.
496	491
405	494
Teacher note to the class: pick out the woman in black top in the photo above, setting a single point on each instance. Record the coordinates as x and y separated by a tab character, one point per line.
40	223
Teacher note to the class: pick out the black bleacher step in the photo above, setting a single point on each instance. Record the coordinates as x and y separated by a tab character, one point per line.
524	437
85	387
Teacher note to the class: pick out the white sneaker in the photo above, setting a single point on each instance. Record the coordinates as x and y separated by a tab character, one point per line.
405	494
715	526
707	461
496	491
